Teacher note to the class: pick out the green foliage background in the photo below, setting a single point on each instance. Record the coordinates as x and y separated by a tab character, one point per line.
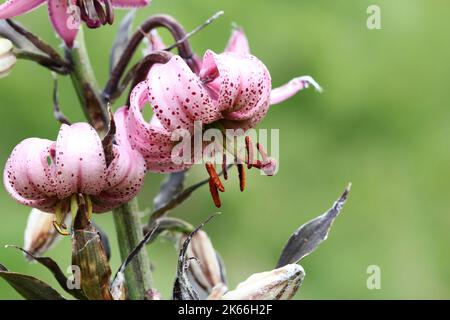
381	123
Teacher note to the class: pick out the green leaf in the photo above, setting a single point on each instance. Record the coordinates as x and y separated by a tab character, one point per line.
29	287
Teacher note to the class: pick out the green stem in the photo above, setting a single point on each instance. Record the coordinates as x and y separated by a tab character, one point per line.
129	232
126	218
85	83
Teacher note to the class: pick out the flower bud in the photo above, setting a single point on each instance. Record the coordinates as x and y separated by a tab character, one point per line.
7	57
206	271
278	284
40	235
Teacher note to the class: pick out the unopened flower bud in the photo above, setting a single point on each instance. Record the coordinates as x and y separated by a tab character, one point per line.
7	57
40	234
278	284
206	271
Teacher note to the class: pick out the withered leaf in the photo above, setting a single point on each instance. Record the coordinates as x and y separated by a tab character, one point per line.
105	240
122	38
310	235
57	113
29	287
168	224
183	288
119	277
53	267
170	187
179	198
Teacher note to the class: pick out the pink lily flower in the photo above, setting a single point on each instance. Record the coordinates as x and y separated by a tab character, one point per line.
65	15
49	175
233	89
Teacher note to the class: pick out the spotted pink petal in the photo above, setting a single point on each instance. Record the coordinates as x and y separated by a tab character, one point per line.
125	178
178	97
28	177
13	8
238	43
130	3
242	84
120	118
286	91
80	161
63	19
152	140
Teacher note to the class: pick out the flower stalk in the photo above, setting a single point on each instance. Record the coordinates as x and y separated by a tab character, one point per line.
138	275
86	86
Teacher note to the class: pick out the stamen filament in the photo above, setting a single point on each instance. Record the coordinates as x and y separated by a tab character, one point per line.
262	152
224	166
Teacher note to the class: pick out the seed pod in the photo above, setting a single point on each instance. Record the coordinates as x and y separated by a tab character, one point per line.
206	271
40	235
7	57
278	284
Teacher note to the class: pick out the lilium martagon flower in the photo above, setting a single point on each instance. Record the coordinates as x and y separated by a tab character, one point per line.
66	15
231	90
54	176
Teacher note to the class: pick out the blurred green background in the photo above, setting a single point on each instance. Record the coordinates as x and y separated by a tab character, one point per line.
381	123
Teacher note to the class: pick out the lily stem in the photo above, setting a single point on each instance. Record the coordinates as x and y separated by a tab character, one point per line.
129	232
86	86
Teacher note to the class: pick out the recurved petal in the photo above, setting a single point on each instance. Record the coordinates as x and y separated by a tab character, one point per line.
27	175
80	161
152	140
178	97
286	91
238	42
64	18
125	178
120	118
12	8
130	3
